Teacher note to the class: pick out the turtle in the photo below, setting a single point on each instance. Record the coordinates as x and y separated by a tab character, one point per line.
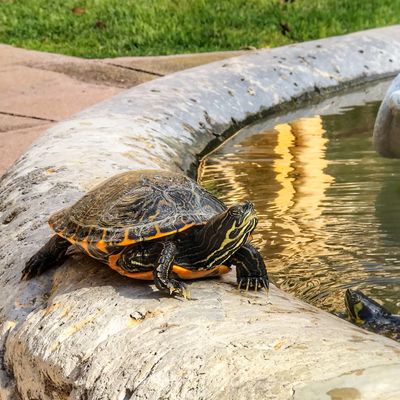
370	315
156	225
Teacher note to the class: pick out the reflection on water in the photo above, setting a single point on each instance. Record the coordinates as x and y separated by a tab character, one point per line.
329	207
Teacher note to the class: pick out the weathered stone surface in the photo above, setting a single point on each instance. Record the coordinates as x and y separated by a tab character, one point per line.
83	332
371	384
387	124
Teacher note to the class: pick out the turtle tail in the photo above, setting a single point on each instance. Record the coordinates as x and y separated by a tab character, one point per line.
52	254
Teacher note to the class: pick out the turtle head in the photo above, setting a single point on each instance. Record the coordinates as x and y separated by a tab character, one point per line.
240	220
361	308
228	231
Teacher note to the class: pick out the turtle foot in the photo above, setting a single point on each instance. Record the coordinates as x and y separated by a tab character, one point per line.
177	288
52	254
32	268
35	266
254	283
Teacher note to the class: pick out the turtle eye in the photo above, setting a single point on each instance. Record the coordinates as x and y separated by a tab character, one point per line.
235	212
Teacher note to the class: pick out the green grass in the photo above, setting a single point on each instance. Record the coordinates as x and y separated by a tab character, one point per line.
108	28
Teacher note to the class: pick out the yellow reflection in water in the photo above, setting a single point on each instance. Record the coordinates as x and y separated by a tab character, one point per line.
283	166
310	165
301	171
284	171
290	161
300	166
312	228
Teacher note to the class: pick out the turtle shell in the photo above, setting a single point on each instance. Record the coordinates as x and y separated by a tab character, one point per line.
135	206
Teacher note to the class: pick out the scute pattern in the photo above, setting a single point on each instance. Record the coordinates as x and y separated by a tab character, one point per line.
136	206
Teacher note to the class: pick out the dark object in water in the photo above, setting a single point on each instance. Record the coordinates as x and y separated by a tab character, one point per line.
370	315
387	123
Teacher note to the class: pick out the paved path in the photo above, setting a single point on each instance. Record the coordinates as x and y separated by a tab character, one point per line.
38	89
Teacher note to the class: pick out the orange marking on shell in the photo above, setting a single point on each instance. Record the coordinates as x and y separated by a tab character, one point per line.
159	235
70	239
62	234
85	245
143	276
112	262
187	226
126	241
184	273
101	245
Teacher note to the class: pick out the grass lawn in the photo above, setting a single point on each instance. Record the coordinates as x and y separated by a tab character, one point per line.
108	28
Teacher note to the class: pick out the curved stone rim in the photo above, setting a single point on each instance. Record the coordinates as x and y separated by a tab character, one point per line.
176	117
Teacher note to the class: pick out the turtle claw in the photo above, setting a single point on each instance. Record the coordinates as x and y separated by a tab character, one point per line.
254	283
177	288
186	294
265	285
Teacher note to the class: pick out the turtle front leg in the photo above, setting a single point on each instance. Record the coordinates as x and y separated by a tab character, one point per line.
251	272
163	270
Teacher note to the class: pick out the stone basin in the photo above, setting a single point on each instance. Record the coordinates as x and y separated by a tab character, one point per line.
84	332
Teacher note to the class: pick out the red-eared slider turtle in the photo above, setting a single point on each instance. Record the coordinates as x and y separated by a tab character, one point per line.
371	315
157	225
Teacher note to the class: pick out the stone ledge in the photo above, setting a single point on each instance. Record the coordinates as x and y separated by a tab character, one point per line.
83	332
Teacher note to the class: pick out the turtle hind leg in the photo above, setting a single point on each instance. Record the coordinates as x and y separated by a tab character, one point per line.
52	254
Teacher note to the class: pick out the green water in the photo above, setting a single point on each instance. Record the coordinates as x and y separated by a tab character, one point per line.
328	205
